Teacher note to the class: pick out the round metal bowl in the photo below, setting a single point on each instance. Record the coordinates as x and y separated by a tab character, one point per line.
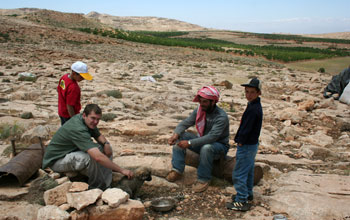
163	204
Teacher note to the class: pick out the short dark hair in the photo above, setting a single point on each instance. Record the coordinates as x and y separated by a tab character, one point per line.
92	107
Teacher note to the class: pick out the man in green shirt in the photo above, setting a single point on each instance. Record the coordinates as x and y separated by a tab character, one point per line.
72	150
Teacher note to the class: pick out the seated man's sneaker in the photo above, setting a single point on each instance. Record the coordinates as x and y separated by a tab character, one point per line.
200	186
173	176
239	206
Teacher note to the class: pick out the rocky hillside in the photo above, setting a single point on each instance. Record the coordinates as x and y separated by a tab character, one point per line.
95	19
304	144
134	23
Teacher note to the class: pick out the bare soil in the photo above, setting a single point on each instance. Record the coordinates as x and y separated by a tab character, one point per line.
207	205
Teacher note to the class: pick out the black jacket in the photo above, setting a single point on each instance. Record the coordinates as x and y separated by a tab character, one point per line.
251	122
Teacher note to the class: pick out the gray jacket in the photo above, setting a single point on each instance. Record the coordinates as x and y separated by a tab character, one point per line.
217	128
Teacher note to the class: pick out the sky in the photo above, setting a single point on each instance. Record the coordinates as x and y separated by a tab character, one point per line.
264	16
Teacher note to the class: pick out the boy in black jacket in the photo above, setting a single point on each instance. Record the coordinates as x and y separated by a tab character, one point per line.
247	139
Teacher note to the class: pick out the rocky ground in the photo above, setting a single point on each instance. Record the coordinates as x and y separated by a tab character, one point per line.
305	142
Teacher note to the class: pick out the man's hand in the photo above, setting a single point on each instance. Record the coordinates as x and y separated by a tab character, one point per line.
127	173
183	144
173	139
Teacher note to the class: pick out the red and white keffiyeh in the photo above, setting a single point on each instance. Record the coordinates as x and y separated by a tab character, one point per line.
207	92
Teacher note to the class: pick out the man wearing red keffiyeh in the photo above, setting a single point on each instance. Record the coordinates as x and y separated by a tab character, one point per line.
212	125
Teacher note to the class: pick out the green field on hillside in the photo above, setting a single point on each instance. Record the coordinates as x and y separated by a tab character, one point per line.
332	66
270	52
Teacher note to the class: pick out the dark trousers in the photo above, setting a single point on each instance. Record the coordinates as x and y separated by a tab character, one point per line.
63	120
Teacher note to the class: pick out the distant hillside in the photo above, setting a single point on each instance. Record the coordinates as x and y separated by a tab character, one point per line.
338	35
97	20
135	23
131	23
52	18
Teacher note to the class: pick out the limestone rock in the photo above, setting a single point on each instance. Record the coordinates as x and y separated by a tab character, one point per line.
307	105
131	210
52	212
57	195
160	165
34	133
80	200
304	195
114	197
18	210
62	180
319	139
79	215
314	152
290	114
78	187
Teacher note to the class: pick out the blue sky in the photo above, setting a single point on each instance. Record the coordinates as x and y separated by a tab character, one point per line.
264	16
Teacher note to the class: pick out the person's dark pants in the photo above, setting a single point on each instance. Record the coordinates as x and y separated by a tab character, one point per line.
63	120
207	154
243	173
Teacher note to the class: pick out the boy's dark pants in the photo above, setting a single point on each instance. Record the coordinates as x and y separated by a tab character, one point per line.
243	173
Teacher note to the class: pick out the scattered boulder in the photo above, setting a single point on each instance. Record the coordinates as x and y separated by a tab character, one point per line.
305	195
114	197
314	152
52	212
131	210
57	195
25	76
307	105
78	187
27	115
80	200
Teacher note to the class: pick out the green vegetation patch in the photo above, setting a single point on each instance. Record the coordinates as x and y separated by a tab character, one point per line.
332	66
114	93
7	131
37	189
4	37
271	52
298	38
108	116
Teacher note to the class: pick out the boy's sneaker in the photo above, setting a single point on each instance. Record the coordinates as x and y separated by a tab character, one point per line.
250	198
239	206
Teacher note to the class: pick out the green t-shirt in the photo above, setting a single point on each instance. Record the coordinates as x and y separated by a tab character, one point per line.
74	135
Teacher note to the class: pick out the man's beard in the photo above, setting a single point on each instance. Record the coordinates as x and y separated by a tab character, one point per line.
210	108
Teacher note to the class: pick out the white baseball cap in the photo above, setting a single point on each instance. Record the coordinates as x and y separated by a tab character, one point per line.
82	69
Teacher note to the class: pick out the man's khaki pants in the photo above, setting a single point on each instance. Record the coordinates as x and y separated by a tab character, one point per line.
79	161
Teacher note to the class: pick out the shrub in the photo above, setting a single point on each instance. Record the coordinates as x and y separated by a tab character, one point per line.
157	76
179	82
27	78
108	117
114	93
27	115
7	131
321	70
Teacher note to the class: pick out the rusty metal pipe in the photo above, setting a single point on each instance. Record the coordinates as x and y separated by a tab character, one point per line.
25	164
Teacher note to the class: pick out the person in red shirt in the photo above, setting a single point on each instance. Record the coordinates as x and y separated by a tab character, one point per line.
69	91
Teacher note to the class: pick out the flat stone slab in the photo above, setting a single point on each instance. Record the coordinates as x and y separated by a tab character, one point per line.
10	193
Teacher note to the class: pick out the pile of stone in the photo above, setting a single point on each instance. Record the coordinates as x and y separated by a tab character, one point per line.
73	200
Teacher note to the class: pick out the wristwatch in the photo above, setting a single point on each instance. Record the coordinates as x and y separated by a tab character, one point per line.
189	143
105	143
